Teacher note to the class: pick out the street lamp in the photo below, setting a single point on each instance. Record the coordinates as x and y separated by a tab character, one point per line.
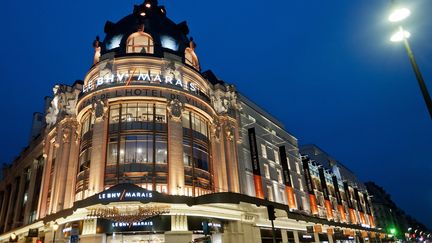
55	227
398	15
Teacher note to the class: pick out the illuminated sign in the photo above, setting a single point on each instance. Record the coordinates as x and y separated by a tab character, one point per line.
138	77
125	195
134	224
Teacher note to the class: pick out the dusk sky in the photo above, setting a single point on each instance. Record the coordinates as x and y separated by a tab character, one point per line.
326	69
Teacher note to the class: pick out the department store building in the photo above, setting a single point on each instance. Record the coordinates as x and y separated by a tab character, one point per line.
149	148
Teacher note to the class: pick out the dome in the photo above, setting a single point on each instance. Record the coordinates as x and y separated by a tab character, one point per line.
157	33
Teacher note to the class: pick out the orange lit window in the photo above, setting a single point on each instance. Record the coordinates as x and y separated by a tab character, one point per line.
140	42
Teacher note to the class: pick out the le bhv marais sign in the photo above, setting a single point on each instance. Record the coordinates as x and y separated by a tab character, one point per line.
135	76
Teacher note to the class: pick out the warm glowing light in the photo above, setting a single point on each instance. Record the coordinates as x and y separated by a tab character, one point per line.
13	236
399	14
143	14
400	36
55	226
148	5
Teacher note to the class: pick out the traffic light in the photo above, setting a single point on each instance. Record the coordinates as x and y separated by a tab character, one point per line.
271	212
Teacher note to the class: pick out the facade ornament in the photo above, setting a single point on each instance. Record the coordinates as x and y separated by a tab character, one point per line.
63	104
229	131
97	48
224	101
171	69
66	135
216	129
100	109
191	56
175	109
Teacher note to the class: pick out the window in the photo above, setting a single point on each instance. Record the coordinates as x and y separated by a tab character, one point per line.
264	151
297	168
300	184
270	193
196	155
279	173
87	123
266	171
137	145
276	155
140	42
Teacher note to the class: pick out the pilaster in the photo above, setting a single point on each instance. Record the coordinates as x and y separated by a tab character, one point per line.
176	175
231	156
66	133
72	166
218	159
99	147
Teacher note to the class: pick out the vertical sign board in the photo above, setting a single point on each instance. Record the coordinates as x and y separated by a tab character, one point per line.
328	206
310	186
287	179
349	202
255	163
341	208
359	206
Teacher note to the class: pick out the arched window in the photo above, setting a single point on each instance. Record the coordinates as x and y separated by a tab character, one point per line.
140	42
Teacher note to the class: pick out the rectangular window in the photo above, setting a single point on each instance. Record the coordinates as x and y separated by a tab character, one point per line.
300	184
276	155
266	171
270	193
264	151
297	168
279	173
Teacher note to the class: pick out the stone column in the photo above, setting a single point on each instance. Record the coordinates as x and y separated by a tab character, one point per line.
176	175
179	230
231	157
72	166
57	152
330	238
296	236
284	236
62	164
99	147
241	232
316	237
218	159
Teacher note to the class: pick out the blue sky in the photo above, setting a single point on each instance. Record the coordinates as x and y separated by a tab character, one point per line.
325	69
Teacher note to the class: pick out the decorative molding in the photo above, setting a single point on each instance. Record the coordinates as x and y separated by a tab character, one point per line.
175	109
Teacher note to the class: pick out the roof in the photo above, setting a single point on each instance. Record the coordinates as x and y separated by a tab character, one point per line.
167	35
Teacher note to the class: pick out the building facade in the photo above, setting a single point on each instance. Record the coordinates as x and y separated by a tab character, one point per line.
147	148
393	219
336	189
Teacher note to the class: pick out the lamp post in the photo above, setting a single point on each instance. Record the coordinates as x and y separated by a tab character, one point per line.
402	35
55	227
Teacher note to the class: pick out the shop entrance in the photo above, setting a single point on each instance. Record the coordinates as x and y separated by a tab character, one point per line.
135	237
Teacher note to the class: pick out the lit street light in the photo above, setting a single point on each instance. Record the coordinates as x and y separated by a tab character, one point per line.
55	227
402	35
